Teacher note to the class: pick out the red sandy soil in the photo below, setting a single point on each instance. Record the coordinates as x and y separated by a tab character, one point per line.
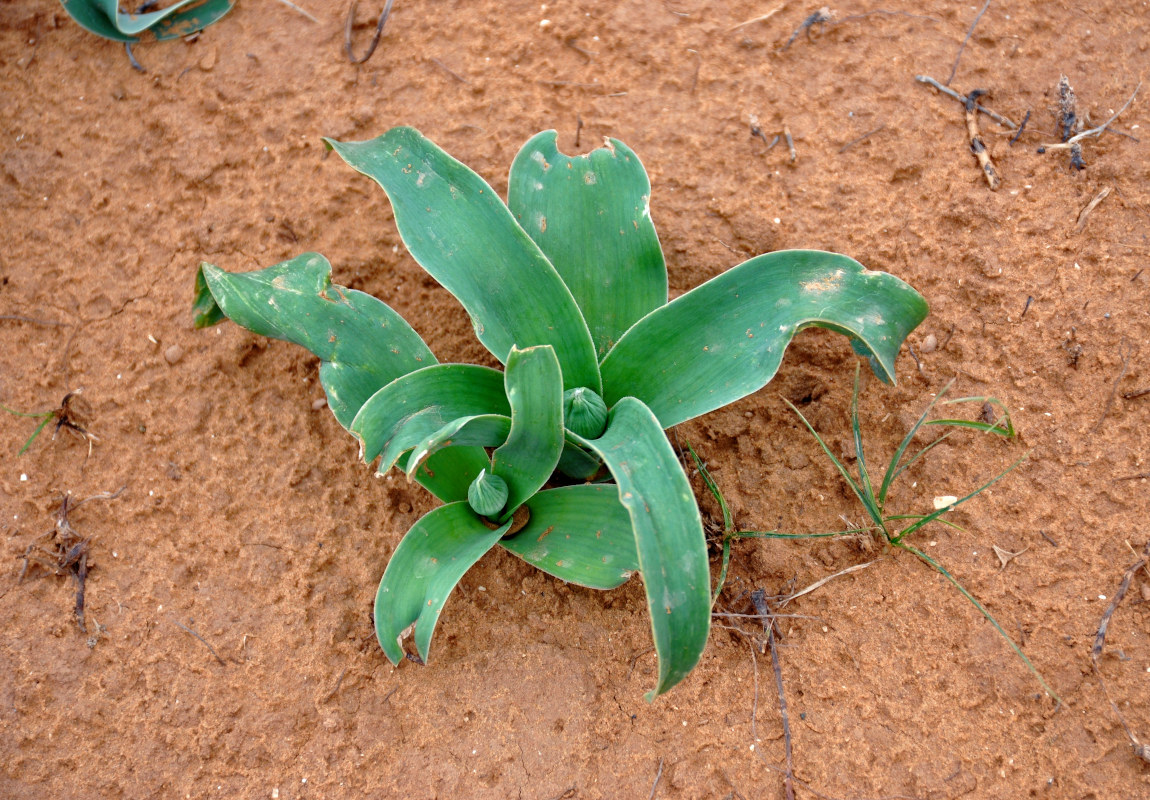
248	520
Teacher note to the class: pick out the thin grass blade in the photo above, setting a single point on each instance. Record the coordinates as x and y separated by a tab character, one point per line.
50	416
705	474
1002	426
864	476
867	500
892	468
982	610
938	513
913	459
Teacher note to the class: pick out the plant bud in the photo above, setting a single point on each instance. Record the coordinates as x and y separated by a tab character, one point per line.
584	413
487	494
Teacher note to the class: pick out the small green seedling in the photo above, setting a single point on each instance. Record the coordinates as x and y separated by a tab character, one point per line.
886	525
67	416
567	287
183	18
44	416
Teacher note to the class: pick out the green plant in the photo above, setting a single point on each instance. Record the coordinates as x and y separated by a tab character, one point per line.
183	18
875	502
567	287
45	417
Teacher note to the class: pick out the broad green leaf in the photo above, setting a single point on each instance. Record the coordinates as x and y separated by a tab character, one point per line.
580	534
191	20
668	535
725	339
484	430
91	17
412	407
458	229
448	473
423	570
130	24
104	18
534	386
575	462
591	217
362	343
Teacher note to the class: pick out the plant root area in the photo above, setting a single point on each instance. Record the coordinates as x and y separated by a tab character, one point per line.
226	647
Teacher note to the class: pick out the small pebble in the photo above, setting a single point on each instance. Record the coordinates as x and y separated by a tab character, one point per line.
173	354
929	344
318	403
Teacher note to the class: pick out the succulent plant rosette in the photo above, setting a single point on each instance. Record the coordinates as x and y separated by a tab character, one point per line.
560	457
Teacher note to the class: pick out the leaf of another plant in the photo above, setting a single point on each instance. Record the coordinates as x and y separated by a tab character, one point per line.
668	536
457	228
580	534
414	406
89	16
104	18
725	339
534	387
362	343
191	20
425	567
591	217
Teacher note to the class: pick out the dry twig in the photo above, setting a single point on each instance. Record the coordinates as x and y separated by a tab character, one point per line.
1001	120
68	552
1005	556
658	775
1085	214
1124	346
962	46
759	600
185	628
374	39
976	145
1140	749
298	10
760	18
1068	121
862	138
822	582
820	17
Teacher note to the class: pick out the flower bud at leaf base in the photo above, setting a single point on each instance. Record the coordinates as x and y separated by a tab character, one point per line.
487	494
584	413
